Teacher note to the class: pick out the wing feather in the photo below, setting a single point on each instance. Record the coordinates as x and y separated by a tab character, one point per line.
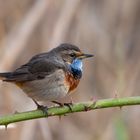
32	71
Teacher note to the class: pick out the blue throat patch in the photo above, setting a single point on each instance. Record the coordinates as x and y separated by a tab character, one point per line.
76	68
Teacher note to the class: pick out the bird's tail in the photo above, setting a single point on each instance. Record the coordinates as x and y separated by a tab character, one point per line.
5	75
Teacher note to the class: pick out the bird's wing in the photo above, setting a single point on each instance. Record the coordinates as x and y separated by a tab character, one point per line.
32	71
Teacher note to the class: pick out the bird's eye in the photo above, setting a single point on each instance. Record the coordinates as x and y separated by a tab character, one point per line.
72	55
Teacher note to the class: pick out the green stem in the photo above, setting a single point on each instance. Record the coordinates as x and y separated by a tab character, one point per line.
78	107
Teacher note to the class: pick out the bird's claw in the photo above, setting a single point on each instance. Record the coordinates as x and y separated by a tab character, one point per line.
41	107
64	104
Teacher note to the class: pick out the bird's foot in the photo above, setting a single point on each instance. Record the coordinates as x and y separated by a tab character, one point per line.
41	107
69	105
64	104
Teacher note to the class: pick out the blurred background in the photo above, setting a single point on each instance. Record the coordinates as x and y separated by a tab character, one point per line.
110	29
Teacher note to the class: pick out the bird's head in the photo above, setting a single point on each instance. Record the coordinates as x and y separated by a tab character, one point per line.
69	53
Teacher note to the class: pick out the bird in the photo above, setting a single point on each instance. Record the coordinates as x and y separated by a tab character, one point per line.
49	76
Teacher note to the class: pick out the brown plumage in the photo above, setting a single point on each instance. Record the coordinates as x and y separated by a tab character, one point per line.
71	81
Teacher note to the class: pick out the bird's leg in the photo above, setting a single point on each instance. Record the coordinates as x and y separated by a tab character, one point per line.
69	105
58	103
38	105
41	107
64	104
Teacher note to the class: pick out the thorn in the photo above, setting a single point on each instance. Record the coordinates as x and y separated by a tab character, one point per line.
16	112
115	96
94	100
86	108
60	117
65	115
6	127
120	107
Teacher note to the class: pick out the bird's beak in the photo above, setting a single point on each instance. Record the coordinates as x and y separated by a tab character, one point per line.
83	55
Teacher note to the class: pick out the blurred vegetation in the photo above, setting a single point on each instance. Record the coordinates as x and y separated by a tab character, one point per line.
110	29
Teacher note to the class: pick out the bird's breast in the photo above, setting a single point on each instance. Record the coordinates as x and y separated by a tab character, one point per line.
71	81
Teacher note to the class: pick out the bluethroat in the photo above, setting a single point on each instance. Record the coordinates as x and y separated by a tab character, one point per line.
49	76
